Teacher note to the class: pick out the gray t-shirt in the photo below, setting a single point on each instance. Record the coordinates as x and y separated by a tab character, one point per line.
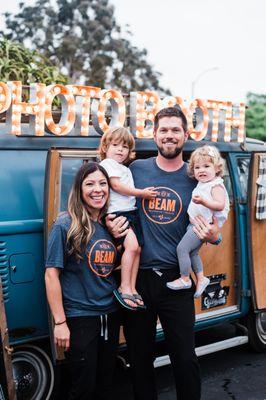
87	286
164	219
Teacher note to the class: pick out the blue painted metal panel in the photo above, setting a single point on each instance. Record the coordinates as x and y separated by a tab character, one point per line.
22	268
22	226
26	304
22	179
4	270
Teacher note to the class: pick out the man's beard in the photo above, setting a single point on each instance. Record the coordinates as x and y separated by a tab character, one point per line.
170	154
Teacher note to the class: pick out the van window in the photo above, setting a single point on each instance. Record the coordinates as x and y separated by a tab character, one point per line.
69	167
243	170
228	183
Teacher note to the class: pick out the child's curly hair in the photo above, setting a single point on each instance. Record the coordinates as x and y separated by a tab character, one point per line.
207	153
118	134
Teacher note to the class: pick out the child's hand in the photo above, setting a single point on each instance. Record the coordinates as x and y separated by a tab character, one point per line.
198	199
149	193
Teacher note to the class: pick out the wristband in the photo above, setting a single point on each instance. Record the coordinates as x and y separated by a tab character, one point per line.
218	241
60	323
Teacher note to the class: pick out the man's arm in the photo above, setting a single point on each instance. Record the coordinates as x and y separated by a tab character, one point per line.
206	231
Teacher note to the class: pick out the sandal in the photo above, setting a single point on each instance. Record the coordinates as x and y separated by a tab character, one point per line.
121	297
201	287
137	298
179	284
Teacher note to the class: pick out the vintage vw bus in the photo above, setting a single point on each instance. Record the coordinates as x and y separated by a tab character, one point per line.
38	160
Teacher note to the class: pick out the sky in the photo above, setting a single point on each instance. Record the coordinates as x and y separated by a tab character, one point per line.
218	45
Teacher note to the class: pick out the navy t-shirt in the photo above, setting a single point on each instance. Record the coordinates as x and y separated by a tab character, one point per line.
164	219
87	286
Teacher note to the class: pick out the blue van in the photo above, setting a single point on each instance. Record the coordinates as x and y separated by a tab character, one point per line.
36	174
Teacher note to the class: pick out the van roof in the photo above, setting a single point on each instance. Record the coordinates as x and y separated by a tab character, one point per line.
26	142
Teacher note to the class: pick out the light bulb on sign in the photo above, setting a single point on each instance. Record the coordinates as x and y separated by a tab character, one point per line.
67	118
200	131
139	104
20	107
118	110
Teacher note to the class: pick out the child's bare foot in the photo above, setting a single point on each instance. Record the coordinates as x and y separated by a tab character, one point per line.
179	284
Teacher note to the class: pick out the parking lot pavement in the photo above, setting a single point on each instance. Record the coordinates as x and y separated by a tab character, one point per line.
237	374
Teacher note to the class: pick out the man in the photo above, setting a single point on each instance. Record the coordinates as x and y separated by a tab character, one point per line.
164	221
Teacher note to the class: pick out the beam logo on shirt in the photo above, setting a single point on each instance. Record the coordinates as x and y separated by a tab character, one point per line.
165	208
101	257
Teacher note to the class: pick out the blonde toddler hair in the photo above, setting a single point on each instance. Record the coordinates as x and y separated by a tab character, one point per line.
207	153
119	134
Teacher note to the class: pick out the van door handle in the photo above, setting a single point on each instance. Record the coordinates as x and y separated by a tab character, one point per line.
14	268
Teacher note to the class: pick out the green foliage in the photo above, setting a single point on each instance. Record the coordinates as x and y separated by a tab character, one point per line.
84	40
20	64
256	116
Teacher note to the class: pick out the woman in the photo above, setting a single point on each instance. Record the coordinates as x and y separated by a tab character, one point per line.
80	258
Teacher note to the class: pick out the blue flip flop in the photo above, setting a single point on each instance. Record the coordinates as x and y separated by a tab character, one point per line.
139	297
121	297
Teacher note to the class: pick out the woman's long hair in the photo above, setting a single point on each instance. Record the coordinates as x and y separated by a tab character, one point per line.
82	228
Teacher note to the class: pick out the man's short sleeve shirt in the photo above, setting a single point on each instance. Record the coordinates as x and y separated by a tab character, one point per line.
164	219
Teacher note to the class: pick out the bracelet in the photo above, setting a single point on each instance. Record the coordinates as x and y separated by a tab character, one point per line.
218	241
60	323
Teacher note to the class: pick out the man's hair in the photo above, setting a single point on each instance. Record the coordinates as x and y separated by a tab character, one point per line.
170	112
118	134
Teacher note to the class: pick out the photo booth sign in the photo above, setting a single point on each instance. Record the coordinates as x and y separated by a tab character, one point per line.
83	108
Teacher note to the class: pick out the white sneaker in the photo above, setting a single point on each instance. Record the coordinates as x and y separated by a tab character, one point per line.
201	287
180	284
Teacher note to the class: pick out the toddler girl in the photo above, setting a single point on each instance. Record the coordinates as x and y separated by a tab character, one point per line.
209	199
117	149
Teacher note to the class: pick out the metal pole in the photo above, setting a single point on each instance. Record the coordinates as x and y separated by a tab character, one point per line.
193	84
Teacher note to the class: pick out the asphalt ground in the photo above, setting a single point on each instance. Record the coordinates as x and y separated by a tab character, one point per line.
237	373
234	374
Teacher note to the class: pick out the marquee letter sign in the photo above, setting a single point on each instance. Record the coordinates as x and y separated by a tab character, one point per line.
85	107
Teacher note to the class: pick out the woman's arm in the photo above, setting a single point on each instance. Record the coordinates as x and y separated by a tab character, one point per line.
117	226
218	199
54	296
119	187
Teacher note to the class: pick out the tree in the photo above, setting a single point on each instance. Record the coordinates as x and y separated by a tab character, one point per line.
19	64
84	40
256	116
